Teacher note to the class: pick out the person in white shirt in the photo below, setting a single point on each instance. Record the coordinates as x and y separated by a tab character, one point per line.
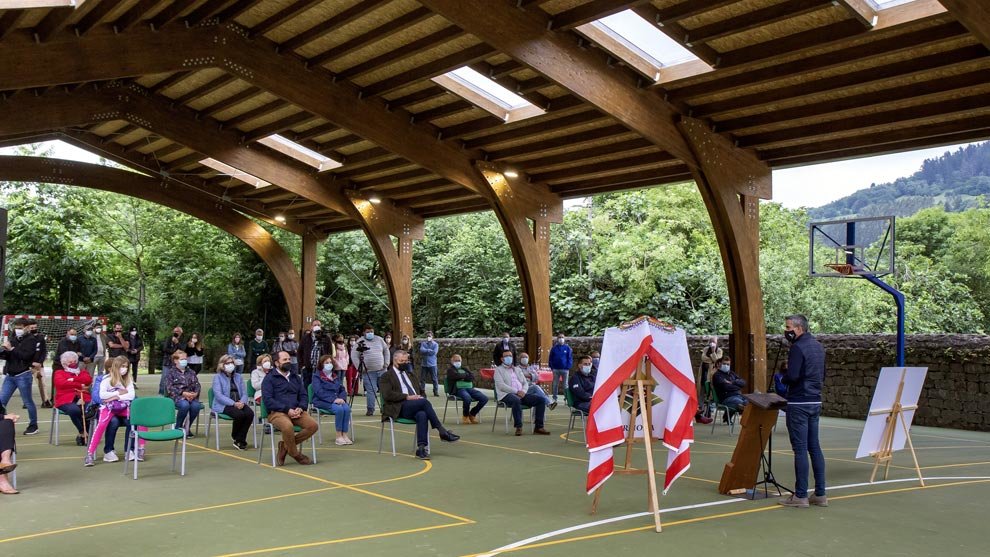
402	400
511	388
258	374
532	373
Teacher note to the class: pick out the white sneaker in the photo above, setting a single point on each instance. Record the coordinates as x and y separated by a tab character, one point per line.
340	441
131	457
110	457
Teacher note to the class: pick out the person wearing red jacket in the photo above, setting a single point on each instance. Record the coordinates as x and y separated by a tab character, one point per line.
72	386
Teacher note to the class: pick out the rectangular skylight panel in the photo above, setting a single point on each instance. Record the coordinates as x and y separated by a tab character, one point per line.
303	154
488	95
28	4
234	173
644	37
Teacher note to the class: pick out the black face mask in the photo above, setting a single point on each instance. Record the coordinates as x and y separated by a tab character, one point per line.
286	367
791	336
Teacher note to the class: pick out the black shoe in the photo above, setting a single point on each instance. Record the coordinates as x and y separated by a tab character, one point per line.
369	413
46	404
190	434
240	445
32	429
422	453
449	436
80	440
553	405
436	394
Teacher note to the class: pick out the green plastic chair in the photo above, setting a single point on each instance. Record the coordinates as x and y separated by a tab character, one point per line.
575	413
451	397
268	429
320	412
508	412
726	411
391	428
151	412
251	391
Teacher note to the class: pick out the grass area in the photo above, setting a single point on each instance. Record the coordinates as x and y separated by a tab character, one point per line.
485	492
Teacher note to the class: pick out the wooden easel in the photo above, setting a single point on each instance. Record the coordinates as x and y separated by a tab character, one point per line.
641	384
895	415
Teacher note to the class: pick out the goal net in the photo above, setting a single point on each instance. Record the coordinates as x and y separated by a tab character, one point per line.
54	327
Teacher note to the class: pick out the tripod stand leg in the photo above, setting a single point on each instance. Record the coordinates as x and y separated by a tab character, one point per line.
914	456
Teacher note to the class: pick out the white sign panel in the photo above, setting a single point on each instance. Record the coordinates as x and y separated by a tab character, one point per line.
883	400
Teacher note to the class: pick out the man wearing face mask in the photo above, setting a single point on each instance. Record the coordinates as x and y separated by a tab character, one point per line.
561	360
804	378
461	382
69	343
500	347
184	388
370	354
169	347
286	399
101	348
582	384
709	356
728	386
428	350
532	373
596	357
87	350
402	400
511	388
315	343
134	349
258	346
24	353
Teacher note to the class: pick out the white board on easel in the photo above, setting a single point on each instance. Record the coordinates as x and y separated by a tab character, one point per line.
884	398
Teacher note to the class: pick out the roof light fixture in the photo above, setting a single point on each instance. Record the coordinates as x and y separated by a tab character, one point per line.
488	95
302	154
224	168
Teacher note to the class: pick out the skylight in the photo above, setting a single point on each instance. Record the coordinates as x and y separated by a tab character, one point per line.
882	4
637	42
487	94
234	173
27	4
303	154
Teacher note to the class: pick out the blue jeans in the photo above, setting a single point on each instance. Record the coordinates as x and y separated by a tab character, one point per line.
341	415
735	402
467	395
802	426
427	373
536	390
22	383
185	408
559	378
370	380
539	404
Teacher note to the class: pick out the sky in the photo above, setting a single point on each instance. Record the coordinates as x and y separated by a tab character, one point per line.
806	186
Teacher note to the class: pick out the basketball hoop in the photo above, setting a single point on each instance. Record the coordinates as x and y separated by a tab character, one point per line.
841	268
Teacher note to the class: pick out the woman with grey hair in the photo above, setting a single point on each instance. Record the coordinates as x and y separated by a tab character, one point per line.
71	384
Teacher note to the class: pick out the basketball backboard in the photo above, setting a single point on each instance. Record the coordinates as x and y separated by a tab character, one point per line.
851	247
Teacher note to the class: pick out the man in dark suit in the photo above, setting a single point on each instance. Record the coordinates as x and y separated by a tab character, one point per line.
402	400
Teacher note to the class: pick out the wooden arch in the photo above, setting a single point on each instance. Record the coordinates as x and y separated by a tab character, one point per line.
168	194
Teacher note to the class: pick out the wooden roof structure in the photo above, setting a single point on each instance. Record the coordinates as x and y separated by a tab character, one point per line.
161	85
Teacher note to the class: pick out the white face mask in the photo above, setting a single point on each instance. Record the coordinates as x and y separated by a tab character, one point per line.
292	336
327	368
19	332
229	368
89	333
72	338
457	365
316	328
266	365
429	338
724	368
523	361
98	330
258	338
123	371
586	370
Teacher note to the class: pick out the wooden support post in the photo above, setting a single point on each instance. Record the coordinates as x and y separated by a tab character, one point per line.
525	212
732	181
308	264
391	231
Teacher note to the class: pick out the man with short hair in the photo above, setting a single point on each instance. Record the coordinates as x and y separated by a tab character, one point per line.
117	344
87	350
257	346
728	386
428	367
369	355
286	400
101	348
804	378
24	352
511	387
582	384
461	383
596	358
531	370
315	343
561	360
69	343
401	400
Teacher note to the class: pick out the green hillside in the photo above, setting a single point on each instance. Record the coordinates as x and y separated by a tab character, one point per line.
955	181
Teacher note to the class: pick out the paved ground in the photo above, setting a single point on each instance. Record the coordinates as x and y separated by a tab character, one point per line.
488	491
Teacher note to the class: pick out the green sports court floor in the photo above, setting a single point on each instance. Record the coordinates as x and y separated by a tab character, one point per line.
489	494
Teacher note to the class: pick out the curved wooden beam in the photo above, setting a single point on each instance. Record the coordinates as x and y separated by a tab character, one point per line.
72	173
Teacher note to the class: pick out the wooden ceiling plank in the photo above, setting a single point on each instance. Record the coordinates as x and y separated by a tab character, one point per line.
206	88
232	101
674	30
974	15
586	13
558	142
407	51
279	126
330	25
576	156
689	8
282	16
94	16
862	10
133	15
567	174
9	20
804	39
204	11
52	23
315	131
236	9
170	13
376	34
257	112
754	19
430	69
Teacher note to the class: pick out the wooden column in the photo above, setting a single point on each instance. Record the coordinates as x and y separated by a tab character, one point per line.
391	231
525	211
732	181
308	263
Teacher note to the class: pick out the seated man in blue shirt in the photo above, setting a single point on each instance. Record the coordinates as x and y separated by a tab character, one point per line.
287	400
582	384
728	385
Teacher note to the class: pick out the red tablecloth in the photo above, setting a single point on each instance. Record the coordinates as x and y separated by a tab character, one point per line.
546	375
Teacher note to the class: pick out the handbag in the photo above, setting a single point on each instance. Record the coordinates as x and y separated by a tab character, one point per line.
118	407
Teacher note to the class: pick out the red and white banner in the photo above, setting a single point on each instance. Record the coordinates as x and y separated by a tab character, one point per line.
673	416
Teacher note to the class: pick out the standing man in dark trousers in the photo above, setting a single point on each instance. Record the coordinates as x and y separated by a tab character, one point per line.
24	352
315	343
805	374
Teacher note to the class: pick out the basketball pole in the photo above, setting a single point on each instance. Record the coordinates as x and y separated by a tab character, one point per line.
895	293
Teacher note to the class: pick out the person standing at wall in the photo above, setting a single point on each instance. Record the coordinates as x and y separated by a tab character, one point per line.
561	360
134	350
428	351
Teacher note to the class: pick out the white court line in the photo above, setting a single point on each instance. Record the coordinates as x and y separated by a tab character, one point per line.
586	525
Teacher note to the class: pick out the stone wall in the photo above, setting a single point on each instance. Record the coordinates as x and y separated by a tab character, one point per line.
956	393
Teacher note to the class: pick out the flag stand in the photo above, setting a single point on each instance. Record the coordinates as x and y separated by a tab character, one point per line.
640	384
895	416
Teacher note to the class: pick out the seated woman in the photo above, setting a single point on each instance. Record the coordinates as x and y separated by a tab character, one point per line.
7	448
72	386
183	387
116	394
230	398
330	395
264	365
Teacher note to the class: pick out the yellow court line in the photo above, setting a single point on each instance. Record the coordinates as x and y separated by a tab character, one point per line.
429	466
710	517
953	465
41	459
343	540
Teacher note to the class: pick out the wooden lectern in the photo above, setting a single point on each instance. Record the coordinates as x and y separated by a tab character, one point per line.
758	420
